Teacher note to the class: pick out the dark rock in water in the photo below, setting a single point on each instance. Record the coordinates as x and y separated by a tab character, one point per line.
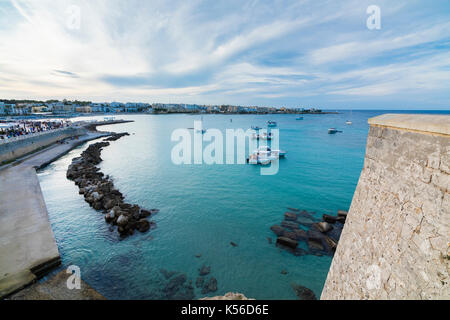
269	239
329	219
305	214
299	252
332	244
315	235
342	213
291	235
178	289
289	216
289	225
279	231
341	219
315	245
305	222
335	234
204	270
287	242
167	274
116	136
300	234
199	282
293	209
122	221
233	244
145	213
143	225
323	226
175	283
210	286
303	293
284	272
198	255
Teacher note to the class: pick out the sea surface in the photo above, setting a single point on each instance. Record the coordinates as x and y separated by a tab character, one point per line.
205	207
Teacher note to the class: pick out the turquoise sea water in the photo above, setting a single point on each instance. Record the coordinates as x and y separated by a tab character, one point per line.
205	207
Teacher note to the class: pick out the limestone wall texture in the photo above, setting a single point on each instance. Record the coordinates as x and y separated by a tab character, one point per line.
16	149
395	243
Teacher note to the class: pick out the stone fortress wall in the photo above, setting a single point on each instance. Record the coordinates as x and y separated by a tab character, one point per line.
395	243
18	148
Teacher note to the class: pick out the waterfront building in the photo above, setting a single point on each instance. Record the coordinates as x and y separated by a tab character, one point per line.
83	109
2	108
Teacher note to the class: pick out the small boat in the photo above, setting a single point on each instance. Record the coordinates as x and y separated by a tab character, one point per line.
271	124
271	153
258	159
299	118
264	136
349	122
333	131
256	128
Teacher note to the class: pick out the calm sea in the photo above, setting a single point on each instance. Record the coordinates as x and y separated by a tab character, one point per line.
205	207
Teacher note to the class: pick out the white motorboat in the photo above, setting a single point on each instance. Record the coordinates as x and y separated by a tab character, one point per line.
271	153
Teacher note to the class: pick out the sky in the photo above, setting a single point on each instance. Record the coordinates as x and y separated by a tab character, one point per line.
267	53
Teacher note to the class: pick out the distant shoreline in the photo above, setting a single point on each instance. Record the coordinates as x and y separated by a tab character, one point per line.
77	115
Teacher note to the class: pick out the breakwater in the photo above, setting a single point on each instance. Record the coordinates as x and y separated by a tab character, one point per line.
28	249
395	243
101	195
14	149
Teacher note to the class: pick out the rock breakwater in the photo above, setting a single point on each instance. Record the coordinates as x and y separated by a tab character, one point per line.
100	193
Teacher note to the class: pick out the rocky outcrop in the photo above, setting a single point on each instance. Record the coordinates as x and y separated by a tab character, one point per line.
99	191
321	237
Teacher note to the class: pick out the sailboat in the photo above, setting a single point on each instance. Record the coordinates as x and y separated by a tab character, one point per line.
203	131
349	122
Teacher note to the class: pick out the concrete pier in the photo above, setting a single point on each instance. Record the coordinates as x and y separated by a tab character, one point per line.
27	245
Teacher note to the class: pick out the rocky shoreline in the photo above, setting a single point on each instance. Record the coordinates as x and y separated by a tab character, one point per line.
100	193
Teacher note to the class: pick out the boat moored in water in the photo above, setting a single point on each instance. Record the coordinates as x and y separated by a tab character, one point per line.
271	124
275	153
333	131
263	136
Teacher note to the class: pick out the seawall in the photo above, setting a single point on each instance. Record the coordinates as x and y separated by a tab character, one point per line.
395	243
15	149
28	249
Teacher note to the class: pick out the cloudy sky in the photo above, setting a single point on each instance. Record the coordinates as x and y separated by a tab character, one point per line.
272	53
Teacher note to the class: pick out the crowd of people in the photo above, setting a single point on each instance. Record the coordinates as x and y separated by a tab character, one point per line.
10	130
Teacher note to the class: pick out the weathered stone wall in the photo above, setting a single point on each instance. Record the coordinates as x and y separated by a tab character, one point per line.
395	243
16	149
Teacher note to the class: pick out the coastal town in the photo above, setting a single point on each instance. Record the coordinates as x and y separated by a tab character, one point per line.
71	108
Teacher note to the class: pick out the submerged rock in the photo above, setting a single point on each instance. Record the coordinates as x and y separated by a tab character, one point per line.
279	231
323	226
283	241
303	293
210	286
289	216
204	270
289	224
199	282
167	274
